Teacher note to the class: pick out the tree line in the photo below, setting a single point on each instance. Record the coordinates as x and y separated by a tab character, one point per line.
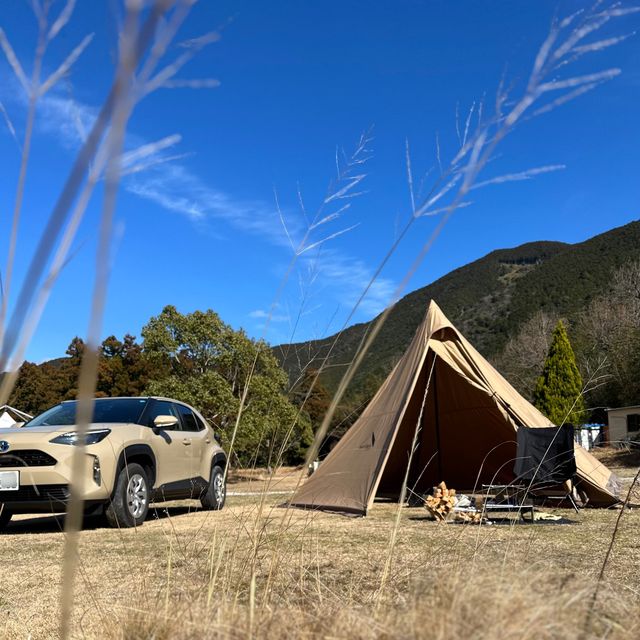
198	359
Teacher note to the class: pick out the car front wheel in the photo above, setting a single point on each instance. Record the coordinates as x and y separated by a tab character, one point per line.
213	498
130	501
5	517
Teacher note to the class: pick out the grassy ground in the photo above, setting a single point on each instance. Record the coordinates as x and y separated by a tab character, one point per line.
276	573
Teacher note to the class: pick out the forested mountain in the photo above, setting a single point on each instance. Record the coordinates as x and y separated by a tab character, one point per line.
489	300
506	304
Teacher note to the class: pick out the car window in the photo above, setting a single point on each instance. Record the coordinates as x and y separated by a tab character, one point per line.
190	421
105	410
161	408
60	415
125	410
199	421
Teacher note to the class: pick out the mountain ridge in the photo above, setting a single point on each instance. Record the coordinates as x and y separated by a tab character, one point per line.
487	299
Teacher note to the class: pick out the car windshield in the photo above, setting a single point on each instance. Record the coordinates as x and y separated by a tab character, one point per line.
125	410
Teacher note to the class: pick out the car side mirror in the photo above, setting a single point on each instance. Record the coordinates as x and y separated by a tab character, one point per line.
164	422
217	436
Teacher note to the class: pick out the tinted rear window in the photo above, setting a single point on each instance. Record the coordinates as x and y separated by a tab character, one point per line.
123	410
190	420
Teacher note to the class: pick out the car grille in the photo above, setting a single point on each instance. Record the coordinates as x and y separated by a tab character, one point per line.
41	493
26	458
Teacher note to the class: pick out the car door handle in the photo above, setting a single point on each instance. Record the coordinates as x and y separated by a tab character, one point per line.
186	441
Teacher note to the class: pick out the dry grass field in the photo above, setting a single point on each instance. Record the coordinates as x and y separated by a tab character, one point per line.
255	570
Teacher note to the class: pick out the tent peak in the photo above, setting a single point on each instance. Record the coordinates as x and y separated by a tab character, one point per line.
435	320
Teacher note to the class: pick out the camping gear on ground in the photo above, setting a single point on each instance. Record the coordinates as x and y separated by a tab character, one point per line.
545	466
466	416
445	504
464	501
562	493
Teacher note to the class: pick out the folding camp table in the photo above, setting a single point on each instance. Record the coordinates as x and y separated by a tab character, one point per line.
506	497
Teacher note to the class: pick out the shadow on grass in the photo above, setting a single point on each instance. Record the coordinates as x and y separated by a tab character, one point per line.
55	523
501	521
46	524
162	512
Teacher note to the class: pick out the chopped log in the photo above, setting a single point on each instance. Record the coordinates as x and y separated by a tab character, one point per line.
469	518
441	503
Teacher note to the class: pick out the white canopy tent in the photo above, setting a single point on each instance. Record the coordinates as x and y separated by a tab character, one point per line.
10	416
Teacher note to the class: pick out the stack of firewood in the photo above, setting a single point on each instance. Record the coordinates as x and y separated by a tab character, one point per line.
441	503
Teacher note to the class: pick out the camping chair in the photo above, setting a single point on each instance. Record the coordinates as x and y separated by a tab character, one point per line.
546	463
545	467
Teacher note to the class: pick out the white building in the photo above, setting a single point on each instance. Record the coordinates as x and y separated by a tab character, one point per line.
624	424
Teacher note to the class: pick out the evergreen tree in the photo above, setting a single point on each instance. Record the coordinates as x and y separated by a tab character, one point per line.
123	370
558	392
38	387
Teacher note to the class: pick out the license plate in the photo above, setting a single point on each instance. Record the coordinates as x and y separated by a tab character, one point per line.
9	480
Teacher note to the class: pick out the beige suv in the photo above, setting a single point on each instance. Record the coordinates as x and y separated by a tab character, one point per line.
137	450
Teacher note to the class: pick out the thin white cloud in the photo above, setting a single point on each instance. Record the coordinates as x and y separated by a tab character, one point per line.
347	277
261	314
173	186
66	119
168	184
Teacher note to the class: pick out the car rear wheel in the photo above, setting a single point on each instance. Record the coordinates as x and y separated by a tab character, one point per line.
213	498
130	502
5	517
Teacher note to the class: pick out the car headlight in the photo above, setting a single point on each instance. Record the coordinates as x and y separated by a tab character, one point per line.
71	437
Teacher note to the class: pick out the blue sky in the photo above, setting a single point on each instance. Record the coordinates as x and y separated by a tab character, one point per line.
297	80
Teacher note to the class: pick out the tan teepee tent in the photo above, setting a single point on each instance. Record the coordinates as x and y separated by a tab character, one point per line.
467	414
